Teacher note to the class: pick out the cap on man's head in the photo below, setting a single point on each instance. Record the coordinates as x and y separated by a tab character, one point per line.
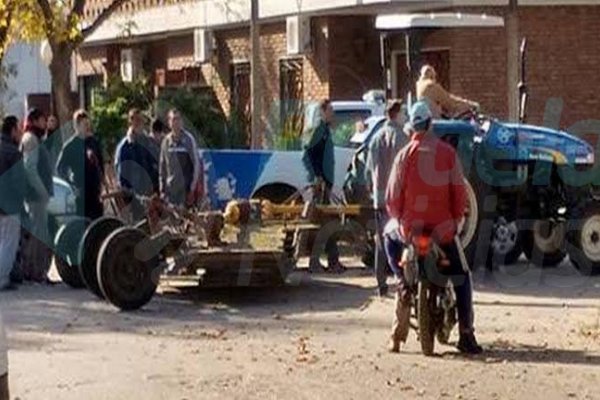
419	116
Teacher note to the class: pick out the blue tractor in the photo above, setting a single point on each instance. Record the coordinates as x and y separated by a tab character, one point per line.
531	192
531	188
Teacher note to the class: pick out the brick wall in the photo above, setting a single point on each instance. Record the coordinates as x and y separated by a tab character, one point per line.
477	65
344	62
562	61
234	45
564	44
354	57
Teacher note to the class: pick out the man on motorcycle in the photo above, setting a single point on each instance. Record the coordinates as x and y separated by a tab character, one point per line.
426	193
440	101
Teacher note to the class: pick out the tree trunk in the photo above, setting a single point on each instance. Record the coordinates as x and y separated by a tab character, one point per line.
60	69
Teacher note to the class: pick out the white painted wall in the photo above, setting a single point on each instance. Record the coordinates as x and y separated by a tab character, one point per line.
32	76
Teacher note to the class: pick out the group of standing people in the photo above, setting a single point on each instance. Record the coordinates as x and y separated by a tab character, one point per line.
30	153
164	161
417	185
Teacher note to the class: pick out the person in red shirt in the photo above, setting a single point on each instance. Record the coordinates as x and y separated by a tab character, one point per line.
426	193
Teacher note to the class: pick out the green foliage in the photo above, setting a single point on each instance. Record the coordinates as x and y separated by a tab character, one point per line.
286	124
343	132
290	137
204	119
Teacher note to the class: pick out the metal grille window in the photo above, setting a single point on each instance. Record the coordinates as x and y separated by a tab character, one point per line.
240	88
291	86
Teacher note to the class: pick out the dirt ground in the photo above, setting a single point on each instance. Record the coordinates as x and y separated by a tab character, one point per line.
319	338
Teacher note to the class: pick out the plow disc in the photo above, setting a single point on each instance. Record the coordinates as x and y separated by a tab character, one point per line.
128	271
66	246
89	249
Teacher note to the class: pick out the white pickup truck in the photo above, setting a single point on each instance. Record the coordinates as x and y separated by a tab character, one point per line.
277	175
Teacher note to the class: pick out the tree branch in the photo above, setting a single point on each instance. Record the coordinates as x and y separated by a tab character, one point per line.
78	8
104	15
5	30
48	17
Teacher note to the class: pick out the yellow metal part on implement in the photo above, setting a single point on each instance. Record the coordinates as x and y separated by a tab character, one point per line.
275	210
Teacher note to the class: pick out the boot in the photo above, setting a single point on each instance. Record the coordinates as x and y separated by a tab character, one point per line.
467	344
394	346
315	266
336	267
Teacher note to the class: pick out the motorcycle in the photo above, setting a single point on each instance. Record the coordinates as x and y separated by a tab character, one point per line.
432	295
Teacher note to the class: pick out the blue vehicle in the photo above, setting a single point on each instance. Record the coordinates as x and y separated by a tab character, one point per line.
532	186
277	175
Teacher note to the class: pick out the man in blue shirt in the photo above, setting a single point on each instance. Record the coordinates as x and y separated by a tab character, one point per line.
134	163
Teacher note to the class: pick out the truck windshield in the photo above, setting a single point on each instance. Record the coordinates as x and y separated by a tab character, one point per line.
347	124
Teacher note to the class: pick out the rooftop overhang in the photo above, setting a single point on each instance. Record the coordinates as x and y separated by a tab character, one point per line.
219	14
393	22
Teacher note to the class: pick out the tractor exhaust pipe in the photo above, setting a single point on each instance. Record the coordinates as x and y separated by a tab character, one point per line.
522	87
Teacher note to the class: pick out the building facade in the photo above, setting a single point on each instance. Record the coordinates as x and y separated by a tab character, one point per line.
340	56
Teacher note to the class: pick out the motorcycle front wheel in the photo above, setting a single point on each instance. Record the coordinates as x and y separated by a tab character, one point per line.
426	303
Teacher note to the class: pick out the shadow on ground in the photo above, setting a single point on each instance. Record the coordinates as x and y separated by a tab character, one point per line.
522	353
63	310
525	279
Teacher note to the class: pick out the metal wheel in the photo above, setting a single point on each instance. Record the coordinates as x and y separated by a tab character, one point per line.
89	249
590	238
544	243
66	252
584	239
505	242
128	269
426	303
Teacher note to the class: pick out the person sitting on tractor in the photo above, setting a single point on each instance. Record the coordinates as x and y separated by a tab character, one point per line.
426	193
441	102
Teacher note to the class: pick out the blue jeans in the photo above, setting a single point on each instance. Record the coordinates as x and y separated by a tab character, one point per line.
457	273
381	261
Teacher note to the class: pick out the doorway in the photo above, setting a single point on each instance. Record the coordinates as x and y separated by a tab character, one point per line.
437	58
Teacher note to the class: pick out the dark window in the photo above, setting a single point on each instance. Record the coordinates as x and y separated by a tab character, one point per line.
89	85
291	85
240	90
438	59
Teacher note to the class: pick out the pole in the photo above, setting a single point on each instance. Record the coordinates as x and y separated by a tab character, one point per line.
513	59
256	141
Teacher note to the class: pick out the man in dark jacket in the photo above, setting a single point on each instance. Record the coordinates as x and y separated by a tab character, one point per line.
134	164
38	168
12	196
426	193
319	161
81	164
155	139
